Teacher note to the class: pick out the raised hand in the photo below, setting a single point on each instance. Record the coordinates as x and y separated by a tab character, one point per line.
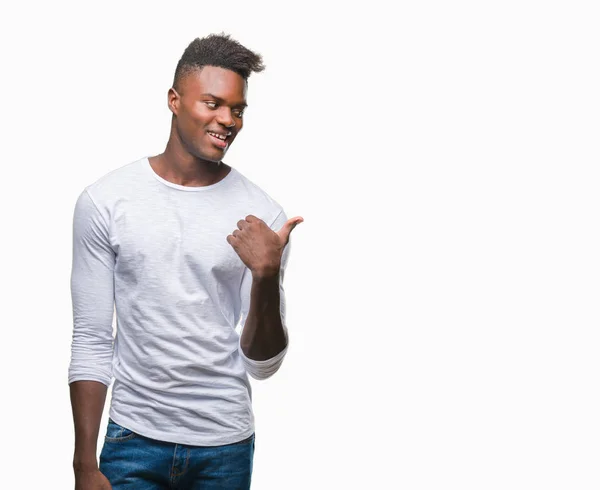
259	247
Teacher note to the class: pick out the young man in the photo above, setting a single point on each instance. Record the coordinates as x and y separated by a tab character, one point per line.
184	247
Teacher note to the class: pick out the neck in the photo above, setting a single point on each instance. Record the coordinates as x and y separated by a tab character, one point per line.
177	165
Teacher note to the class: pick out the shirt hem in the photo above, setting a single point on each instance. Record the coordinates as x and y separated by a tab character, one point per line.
177	438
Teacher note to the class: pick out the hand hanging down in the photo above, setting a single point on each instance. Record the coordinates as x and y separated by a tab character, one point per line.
259	247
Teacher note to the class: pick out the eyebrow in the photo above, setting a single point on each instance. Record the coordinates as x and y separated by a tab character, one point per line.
241	104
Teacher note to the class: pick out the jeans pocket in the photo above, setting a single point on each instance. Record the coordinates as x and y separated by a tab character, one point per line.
118	433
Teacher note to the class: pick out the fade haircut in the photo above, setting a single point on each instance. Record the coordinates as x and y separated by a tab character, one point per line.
217	50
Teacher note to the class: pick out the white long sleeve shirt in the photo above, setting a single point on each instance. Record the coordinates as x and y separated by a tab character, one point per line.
156	253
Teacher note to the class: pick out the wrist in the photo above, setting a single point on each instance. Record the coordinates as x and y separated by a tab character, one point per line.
265	274
266	271
85	464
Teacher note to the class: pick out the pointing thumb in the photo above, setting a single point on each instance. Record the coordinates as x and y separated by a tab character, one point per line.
287	228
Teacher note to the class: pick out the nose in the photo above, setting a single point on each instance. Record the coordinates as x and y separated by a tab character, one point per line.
225	117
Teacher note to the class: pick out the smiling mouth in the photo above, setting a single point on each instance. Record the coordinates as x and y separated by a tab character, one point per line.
222	137
220	140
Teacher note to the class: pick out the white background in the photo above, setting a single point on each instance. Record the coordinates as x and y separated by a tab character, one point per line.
443	288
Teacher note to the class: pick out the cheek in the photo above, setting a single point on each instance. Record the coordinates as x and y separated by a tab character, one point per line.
197	115
200	118
194	125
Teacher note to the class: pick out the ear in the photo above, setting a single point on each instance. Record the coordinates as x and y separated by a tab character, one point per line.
173	100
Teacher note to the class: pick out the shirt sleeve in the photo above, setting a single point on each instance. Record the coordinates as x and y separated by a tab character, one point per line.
92	295
265	369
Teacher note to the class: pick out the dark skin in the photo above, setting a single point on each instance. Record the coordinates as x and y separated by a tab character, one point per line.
87	401
210	100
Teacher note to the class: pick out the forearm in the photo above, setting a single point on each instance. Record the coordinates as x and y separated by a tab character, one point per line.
87	402
263	336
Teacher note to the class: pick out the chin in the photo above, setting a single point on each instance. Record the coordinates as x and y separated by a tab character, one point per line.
211	156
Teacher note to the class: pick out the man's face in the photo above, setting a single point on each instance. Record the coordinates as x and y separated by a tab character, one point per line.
209	108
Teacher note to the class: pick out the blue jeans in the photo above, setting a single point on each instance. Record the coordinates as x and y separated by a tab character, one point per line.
131	461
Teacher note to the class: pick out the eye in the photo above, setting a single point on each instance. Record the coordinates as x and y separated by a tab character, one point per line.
239	113
211	104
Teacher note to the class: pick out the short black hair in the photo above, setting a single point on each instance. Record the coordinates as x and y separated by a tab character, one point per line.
217	50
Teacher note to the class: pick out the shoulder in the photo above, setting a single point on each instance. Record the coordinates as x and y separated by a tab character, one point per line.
116	181
261	200
108	189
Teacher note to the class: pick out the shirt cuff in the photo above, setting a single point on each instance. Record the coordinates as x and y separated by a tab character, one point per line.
267	368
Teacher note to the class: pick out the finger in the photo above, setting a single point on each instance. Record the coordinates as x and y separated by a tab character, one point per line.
287	228
290	224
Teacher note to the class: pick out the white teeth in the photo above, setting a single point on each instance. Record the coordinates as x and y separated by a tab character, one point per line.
220	136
